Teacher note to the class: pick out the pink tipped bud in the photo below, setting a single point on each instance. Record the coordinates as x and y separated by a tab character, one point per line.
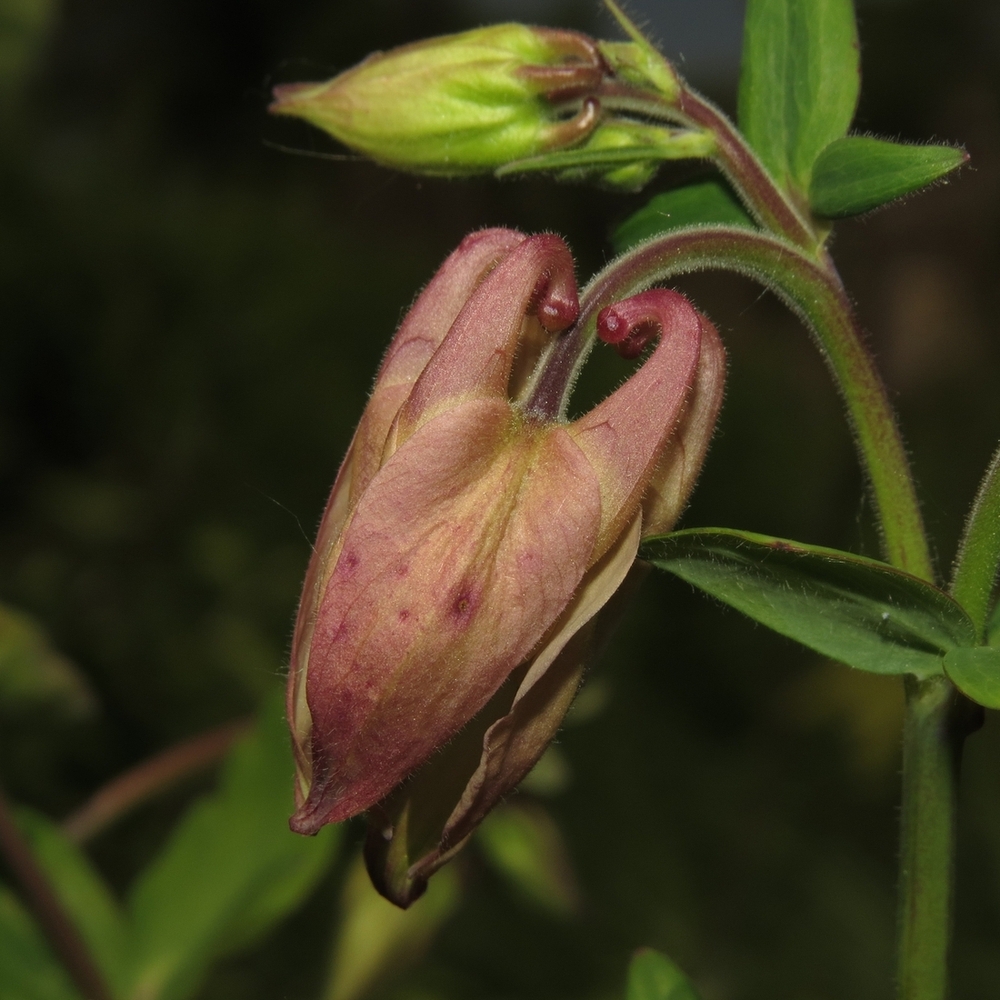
467	548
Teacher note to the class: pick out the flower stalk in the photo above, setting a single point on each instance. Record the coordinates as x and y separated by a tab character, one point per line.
818	297
769	205
936	716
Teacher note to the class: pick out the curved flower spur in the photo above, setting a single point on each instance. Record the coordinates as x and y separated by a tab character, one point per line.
470	542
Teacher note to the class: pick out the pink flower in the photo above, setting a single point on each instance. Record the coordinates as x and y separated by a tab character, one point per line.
469	542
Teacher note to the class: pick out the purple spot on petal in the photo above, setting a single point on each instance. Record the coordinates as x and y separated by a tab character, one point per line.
463	605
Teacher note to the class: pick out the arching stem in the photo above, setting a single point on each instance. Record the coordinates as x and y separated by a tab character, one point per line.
815	293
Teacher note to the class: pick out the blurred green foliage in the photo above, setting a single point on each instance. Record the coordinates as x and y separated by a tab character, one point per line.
191	322
229	871
652	976
376	939
28	970
33	674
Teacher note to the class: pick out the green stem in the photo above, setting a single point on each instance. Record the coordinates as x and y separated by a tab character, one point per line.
815	293
938	719
979	552
766	201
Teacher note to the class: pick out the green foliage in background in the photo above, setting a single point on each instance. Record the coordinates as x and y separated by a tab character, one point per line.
28	972
702	203
229	871
33	674
652	976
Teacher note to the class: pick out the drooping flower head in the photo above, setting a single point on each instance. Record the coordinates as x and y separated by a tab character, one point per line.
471	540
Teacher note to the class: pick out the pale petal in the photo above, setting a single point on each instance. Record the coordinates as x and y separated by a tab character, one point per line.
417	830
624	435
514	743
419	336
476	356
296	706
684	454
491	525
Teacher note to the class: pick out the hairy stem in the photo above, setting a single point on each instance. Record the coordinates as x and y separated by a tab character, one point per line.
815	293
766	201
61	932
933	740
938	719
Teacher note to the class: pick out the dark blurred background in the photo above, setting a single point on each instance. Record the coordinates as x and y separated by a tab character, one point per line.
193	307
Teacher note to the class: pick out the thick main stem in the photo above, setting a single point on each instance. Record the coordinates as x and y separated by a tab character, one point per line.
938	719
800	272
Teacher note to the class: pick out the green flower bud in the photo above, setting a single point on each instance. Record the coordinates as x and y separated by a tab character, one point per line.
459	104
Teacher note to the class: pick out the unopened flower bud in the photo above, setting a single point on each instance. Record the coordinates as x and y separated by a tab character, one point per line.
470	543
461	103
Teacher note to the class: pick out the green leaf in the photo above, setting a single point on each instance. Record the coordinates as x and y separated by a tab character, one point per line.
976	673
376	939
524	845
705	203
28	969
33	673
83	893
859	611
858	173
799	82
230	871
652	976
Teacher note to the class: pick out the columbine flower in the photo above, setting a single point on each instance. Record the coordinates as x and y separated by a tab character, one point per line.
470	542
